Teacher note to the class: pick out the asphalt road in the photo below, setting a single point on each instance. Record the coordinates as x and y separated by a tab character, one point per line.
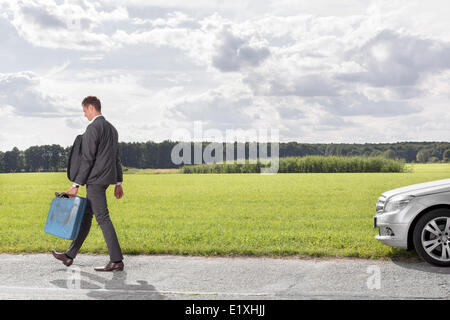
40	276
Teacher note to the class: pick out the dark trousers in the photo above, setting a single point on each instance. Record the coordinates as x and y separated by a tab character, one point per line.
96	205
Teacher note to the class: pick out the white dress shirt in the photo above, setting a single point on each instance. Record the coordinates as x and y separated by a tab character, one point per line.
75	185
99	115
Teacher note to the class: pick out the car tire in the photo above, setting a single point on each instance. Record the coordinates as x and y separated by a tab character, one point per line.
433	245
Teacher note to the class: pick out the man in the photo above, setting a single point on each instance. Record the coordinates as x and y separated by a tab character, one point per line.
100	166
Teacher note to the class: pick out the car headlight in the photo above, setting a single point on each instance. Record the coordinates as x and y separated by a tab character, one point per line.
397	203
380	204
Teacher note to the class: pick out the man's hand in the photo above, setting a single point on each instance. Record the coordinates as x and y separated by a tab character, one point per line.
73	191
118	191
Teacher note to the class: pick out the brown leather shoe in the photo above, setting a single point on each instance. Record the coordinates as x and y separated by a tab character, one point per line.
111	266
61	256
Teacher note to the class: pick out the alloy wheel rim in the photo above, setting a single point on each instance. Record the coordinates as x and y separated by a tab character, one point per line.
435	238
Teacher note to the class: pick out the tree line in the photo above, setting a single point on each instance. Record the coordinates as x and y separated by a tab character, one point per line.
152	154
305	164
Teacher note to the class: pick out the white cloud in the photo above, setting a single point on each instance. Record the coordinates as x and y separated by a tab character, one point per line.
22	93
67	25
175	19
235	53
355	104
394	59
197	42
317	70
214	107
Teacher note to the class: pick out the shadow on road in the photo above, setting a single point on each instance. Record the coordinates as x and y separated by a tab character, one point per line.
420	266
108	288
411	260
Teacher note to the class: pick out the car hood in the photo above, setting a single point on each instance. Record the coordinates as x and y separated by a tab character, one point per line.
421	189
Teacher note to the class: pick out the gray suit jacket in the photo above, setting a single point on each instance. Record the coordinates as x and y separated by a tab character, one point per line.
100	160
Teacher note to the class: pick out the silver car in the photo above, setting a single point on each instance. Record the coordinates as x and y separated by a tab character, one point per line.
417	217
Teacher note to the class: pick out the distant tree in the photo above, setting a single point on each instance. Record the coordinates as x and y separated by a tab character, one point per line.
152	154
2	162
423	156
433	160
376	153
57	154
33	159
446	155
331	150
390	154
14	160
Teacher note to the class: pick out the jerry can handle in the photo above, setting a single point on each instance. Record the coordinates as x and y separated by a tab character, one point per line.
63	195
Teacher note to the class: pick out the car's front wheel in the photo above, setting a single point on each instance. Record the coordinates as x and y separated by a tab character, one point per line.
431	237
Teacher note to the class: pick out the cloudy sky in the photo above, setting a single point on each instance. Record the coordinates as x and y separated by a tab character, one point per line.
317	71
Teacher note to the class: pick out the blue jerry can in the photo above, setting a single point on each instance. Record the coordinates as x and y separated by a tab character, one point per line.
65	216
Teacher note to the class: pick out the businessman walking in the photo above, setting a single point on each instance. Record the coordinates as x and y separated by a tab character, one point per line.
100	166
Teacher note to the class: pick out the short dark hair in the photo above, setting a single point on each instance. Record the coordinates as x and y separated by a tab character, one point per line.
94	101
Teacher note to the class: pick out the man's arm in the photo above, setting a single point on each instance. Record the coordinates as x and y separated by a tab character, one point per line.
119	168
118	191
88	153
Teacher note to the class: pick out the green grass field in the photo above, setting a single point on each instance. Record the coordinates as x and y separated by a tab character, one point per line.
312	214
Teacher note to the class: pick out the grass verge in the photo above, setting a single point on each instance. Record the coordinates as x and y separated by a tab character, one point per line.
305	215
